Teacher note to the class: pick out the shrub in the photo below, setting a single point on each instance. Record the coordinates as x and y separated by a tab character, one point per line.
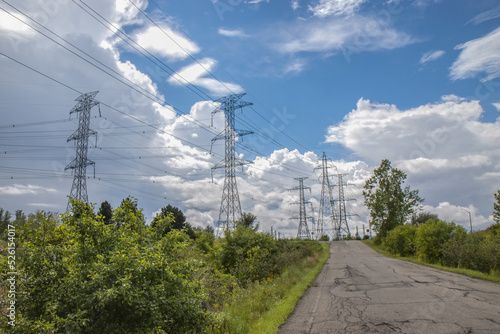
430	238
452	249
248	255
79	275
324	237
401	240
476	251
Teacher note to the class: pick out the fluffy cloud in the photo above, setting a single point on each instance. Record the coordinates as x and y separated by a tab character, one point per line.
454	213
196	74
480	55
443	147
12	23
164	41
130	123
21	189
439	130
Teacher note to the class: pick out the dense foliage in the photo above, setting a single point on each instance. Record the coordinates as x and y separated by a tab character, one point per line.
496	207
436	241
401	240
477	251
85	273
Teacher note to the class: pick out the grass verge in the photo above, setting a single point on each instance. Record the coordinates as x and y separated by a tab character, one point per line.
266	305
494	277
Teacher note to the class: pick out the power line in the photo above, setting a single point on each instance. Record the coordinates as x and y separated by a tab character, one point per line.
128	40
139	89
222	83
153	126
181	47
19	125
144	92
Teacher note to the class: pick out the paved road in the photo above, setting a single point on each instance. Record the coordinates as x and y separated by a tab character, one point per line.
360	291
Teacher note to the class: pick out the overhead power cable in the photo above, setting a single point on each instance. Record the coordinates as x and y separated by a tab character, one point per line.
222	83
125	114
108	106
126	81
117	77
19	125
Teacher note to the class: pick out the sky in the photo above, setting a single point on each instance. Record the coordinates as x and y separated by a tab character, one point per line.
413	81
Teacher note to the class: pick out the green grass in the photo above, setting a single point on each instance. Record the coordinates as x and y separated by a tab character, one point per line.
493	277
263	307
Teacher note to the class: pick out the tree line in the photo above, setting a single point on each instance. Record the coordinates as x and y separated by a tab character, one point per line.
404	230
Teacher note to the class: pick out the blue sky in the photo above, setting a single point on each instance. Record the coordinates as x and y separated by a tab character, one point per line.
266	48
414	81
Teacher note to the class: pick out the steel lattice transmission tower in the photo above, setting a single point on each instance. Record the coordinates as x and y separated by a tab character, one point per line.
342	225
326	203
303	229
230	207
81	136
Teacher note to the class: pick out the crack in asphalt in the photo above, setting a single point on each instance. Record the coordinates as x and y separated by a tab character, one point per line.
361	292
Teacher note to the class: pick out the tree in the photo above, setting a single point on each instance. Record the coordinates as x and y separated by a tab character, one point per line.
178	223
5	217
128	213
20	218
106	212
390	204
248	220
422	217
496	208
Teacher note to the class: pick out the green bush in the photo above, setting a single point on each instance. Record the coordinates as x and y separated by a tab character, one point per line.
80	275
431	237
453	248
401	240
324	237
476	251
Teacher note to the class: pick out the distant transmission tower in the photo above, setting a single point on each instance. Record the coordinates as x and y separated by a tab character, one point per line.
342	225
230	207
81	135
303	230
326	203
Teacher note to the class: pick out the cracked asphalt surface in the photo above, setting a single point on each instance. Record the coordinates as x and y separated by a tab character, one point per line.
360	291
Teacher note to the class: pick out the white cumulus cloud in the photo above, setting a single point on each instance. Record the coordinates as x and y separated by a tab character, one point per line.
444	147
